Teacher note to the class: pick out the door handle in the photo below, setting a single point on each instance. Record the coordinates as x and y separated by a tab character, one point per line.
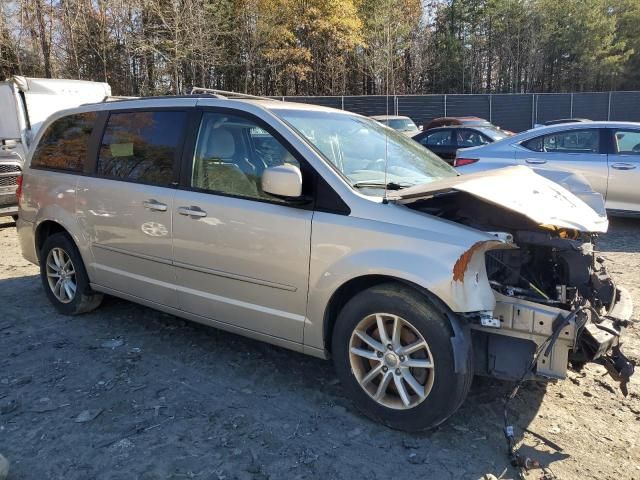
155	205
623	166
537	161
192	211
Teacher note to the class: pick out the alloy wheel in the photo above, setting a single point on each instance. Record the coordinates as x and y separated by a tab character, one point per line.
61	275
391	361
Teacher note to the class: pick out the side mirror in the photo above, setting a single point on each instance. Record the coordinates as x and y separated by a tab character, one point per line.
282	181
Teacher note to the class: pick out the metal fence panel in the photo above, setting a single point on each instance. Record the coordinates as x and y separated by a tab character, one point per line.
371	105
625	106
468	106
594	106
552	106
515	112
512	111
421	108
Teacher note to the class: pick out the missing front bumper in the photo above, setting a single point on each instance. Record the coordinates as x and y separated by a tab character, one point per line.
525	327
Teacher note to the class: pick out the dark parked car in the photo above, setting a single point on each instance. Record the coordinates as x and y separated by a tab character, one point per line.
445	141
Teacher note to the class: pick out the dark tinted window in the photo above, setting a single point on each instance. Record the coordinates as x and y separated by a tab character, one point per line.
441	137
141	146
467	137
65	143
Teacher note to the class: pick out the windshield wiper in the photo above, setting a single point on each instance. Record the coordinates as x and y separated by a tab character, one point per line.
390	185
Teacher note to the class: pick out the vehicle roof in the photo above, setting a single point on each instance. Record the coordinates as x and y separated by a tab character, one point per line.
473	126
197	100
389	117
567	120
580	126
461	118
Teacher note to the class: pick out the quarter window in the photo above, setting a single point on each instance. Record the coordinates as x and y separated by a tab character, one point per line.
231	155
141	146
65	144
569	141
627	142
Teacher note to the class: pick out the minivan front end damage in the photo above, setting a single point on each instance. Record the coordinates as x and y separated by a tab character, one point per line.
555	302
552	293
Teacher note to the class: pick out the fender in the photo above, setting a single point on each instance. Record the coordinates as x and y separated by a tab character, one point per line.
456	277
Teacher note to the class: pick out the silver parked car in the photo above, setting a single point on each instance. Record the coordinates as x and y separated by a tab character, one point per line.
399	123
607	154
283	222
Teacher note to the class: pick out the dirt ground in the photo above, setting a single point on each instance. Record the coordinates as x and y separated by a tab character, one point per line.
127	392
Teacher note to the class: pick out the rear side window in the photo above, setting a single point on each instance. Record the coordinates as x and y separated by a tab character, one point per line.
65	144
141	146
569	141
441	137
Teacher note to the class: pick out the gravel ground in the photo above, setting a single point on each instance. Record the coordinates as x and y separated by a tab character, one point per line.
127	392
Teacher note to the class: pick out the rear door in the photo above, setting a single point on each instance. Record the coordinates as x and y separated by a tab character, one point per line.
574	150
441	142
624	170
241	256
125	206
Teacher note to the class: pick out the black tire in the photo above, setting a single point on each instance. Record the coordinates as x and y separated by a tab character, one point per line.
448	390
85	299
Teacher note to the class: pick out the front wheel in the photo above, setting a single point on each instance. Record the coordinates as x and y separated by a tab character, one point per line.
392	352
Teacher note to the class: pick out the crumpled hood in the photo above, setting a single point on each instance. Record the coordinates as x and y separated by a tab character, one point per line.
518	189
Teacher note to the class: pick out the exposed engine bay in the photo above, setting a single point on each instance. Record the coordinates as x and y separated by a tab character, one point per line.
552	290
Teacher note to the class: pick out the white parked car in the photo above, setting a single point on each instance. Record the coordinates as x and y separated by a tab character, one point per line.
606	154
399	123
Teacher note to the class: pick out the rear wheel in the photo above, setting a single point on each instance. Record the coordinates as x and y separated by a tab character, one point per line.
65	278
392	352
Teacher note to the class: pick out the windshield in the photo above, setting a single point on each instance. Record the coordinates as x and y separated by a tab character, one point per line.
357	147
401	124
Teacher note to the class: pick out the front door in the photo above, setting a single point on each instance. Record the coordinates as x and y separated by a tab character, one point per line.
624	171
241	256
125	207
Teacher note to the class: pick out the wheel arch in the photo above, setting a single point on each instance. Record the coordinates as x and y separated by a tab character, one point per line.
461	334
44	230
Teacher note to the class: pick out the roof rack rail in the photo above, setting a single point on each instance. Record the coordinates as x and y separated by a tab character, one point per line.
117	98
225	94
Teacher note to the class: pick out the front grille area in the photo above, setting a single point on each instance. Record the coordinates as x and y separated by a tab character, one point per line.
9	169
8	181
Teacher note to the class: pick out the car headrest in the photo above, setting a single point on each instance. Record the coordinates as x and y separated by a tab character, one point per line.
220	144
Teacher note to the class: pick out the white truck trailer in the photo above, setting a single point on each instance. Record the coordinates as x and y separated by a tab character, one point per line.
25	103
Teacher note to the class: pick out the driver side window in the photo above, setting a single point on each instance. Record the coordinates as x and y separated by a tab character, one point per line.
231	155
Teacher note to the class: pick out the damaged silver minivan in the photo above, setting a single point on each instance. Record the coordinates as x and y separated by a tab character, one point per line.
327	233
